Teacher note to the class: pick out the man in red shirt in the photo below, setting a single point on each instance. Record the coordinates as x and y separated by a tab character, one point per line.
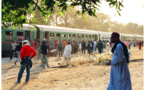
55	43
26	54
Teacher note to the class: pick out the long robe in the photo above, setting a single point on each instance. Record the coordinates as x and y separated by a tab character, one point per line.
94	46
67	51
119	75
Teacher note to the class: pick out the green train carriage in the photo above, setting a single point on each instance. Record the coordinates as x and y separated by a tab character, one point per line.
8	35
31	32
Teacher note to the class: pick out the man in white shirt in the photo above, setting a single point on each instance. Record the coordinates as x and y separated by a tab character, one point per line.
13	47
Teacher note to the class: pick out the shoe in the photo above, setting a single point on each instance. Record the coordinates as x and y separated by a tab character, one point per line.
26	81
15	62
17	82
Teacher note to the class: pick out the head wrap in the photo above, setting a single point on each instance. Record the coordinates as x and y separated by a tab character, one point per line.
115	34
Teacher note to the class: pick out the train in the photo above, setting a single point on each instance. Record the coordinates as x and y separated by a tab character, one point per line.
52	33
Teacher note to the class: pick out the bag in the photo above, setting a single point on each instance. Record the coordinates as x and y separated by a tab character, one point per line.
27	61
101	51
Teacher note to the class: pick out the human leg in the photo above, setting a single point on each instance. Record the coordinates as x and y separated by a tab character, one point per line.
22	68
28	73
42	60
45	58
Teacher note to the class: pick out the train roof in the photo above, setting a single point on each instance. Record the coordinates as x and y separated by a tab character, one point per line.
64	29
25	27
128	35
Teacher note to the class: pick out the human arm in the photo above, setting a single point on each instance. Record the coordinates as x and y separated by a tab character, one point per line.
33	52
118	56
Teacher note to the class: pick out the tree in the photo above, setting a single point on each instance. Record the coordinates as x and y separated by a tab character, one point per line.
14	12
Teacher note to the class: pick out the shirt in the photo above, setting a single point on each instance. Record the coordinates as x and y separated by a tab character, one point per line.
26	51
44	49
13	46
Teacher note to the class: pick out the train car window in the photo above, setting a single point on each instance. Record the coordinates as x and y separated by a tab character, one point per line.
82	36
63	35
74	35
47	35
8	35
69	35
27	35
52	37
51	34
79	36
18	35
58	36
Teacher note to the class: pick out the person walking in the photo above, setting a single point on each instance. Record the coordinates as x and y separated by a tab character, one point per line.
119	75
44	49
26	54
100	46
13	47
18	49
60	48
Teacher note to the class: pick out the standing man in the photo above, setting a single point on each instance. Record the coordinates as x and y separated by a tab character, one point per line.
44	49
13	47
89	47
119	75
94	46
83	47
60	48
100	46
26	54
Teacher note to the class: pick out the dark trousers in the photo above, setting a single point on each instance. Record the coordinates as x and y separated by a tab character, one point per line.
99	49
60	53
11	54
89	52
83	50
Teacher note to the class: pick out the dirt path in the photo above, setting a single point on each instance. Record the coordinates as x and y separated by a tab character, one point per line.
83	77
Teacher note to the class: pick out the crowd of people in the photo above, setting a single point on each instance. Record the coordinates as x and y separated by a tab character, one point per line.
26	50
74	47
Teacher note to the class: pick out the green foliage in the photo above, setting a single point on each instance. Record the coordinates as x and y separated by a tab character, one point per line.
14	12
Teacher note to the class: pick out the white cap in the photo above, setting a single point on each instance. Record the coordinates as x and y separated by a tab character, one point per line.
25	41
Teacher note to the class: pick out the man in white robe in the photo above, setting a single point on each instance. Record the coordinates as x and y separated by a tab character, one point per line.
67	51
94	46
119	75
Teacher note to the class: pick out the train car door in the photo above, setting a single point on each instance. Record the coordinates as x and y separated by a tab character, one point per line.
47	35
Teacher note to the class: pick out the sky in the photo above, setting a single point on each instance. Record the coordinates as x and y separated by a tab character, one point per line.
132	11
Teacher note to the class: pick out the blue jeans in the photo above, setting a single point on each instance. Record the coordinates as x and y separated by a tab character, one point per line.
44	58
22	68
18	53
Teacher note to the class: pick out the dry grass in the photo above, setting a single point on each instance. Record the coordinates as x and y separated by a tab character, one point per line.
100	58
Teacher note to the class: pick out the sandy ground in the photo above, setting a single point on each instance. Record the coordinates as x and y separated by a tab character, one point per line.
82	77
